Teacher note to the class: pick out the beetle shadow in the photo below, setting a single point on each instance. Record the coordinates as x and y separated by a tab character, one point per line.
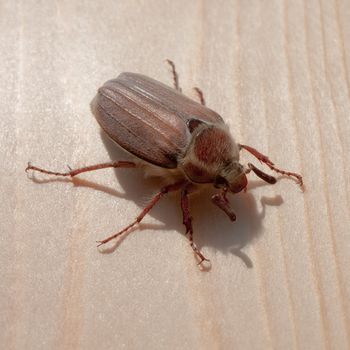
212	229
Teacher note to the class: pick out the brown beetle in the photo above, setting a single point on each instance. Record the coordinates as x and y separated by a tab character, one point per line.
175	137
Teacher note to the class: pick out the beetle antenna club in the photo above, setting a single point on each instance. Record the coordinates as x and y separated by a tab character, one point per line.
172	136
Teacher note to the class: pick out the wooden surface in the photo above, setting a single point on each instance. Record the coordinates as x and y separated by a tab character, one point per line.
279	74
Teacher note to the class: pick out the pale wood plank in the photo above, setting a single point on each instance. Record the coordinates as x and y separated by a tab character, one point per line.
278	72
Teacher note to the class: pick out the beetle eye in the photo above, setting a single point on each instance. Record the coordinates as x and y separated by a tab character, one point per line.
220	182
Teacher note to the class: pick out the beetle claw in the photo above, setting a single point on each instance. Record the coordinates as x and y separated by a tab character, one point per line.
99	243
204	264
28	167
203	259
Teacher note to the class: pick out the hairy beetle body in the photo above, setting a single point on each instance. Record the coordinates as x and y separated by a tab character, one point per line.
174	137
165	128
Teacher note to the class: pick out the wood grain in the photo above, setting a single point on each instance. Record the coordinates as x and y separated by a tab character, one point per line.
279	73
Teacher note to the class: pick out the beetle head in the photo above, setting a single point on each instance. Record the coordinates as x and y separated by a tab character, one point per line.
232	177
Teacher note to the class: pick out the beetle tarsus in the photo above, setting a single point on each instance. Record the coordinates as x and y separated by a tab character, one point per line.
127	228
48	172
74	172
264	159
187	221
28	167
201	258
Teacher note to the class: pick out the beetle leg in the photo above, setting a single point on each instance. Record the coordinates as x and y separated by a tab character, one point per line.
222	202
200	95
264	159
74	172
187	221
151	204
175	75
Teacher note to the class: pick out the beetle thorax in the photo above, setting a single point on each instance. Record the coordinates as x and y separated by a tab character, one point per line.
211	153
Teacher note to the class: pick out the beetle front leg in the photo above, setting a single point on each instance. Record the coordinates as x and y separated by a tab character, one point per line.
264	159
222	202
170	188
187	221
74	172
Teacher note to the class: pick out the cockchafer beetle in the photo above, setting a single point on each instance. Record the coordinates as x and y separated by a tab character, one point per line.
175	137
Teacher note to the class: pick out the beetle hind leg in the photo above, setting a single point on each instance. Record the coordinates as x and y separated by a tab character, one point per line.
175	75
200	94
187	221
177	87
